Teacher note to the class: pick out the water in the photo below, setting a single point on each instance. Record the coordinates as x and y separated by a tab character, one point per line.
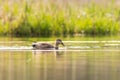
91	59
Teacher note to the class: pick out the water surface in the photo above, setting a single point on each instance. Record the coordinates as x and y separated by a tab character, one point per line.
81	59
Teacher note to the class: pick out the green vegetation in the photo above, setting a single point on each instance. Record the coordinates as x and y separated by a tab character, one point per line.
39	18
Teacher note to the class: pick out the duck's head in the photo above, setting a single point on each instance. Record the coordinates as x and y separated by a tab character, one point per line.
59	41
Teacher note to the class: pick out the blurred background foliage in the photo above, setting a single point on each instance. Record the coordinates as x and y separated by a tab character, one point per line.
43	18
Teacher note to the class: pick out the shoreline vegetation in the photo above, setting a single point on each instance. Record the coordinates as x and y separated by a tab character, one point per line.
58	18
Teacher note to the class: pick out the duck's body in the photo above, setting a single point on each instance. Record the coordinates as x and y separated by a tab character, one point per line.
42	46
47	45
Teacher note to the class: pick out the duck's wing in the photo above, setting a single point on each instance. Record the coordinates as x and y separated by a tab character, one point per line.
45	45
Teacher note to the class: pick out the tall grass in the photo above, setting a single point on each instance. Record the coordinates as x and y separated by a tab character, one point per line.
39	18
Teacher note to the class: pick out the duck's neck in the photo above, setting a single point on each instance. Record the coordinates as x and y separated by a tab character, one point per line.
56	46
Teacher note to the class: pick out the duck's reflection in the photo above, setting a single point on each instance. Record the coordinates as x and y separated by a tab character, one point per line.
59	53
56	53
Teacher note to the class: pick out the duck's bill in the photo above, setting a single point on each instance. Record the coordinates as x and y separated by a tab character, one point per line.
62	44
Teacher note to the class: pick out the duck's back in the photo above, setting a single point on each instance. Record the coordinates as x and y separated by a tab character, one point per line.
44	46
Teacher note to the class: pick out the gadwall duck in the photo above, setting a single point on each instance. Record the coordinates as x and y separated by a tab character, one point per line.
47	45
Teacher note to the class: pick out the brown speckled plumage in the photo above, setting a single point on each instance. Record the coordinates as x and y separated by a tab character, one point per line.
47	45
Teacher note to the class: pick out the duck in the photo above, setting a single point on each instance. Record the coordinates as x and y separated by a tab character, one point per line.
44	46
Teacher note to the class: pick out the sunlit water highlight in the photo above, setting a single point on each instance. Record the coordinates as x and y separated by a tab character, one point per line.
71	45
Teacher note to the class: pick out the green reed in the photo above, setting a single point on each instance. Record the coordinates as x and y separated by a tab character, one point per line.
53	19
